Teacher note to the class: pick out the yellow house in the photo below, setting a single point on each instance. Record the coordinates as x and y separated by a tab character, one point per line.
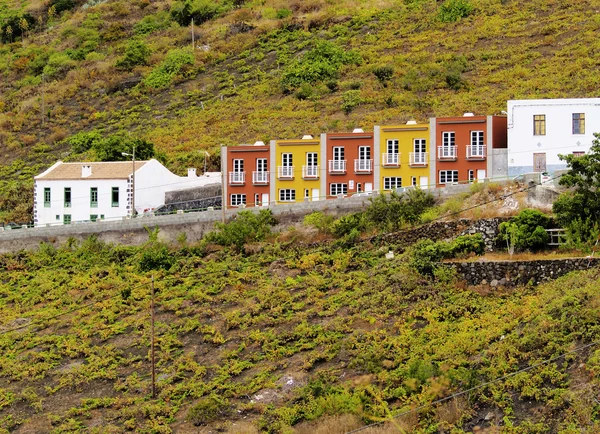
299	171
404	156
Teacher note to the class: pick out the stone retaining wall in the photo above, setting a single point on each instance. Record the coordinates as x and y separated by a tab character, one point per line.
516	273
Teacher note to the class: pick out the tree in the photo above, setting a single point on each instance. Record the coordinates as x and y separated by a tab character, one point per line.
525	231
578	210
111	148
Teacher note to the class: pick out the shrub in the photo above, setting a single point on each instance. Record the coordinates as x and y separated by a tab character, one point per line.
84	141
283	13
208	409
345	225
350	100
305	91
61	5
320	221
246	228
150	23
58	65
383	74
156	257
454	10
200	10
390	211
526	231
136	53
426	253
164	74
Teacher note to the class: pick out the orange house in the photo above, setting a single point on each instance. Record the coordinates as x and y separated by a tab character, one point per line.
350	158
467	148
246	173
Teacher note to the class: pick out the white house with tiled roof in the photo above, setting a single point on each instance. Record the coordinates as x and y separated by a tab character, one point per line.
71	192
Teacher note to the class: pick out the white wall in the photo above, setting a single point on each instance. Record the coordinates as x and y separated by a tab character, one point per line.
559	137
80	208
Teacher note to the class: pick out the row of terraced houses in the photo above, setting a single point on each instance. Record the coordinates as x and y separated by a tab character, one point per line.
446	150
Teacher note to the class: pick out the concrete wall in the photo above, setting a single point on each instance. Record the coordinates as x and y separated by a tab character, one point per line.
178	196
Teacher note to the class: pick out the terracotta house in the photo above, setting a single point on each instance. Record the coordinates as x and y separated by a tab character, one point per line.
247	175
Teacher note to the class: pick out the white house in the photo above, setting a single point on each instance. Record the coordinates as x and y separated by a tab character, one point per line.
71	192
541	129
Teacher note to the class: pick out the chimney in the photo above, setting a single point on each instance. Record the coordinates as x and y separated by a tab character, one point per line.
307	137
259	143
357	130
192	173
468	115
86	171
411	123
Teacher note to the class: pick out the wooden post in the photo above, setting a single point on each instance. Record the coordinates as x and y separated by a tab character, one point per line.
152	342
193	39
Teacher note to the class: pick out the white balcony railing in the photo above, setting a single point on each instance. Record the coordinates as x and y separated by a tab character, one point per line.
447	152
476	152
392	160
363	166
259	178
310	172
418	159
285	172
337	166
237	177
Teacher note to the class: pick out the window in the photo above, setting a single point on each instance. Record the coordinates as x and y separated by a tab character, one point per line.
539	125
471	175
306	193
419	146
101	216
93	217
57	217
358	187
578	123
338	188
67	197
311	159
392	183
67	219
413	181
338	153
94	197
448	138
477	138
448	176
392	146
364	152
115	196
287	160
287	195
47	197
238	199
261	164
238	166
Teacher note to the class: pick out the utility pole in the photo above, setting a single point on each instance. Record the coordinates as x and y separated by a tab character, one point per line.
193	39
152	342
43	80
125	154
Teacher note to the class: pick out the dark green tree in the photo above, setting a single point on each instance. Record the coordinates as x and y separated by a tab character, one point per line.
112	147
527	230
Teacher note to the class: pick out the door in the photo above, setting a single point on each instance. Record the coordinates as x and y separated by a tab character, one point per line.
539	162
311	165
315	194
480	175
423	182
368	186
419	148
265	199
392	153
364	159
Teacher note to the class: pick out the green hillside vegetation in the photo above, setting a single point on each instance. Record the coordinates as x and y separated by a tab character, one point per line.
277	333
265	69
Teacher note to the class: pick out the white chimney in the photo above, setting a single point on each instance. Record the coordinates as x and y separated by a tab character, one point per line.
411	123
307	137
192	173
259	143
357	130
86	171
468	115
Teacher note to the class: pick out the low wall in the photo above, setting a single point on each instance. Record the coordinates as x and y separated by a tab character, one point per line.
516	273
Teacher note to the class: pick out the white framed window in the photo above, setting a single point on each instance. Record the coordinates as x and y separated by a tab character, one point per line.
392	182
311	159
477	138
261	164
413	181
448	176
287	160
364	153
392	146
287	195
420	146
237	199
471	175
448	138
338	153
338	188
238	166
306	193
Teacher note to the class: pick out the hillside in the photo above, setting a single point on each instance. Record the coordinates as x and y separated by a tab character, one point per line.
300	332
266	69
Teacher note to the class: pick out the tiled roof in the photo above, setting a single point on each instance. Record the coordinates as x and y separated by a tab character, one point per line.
103	170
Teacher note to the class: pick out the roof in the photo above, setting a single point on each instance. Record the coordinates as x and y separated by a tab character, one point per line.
102	170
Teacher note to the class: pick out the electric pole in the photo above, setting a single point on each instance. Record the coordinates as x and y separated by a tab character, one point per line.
152	342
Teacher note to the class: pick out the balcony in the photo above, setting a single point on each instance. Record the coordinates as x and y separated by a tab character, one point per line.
285	172
476	152
363	166
237	178
446	152
260	178
390	160
337	166
418	159
310	172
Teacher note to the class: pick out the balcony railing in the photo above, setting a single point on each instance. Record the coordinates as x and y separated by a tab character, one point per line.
310	172
476	152
418	159
391	160
285	172
447	152
337	166
260	178
363	166
237	178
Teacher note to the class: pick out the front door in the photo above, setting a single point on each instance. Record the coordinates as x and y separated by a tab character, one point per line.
423	182
539	162
265	199
368	186
315	194
480	174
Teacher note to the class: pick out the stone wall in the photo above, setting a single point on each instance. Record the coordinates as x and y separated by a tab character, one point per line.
488	228
516	273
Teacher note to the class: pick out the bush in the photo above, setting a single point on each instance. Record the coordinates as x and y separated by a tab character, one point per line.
305	91
345	225
350	100
61	5
136	53
150	23
156	257
320	221
526	231
454	10
383	74
164	74
247	227
84	141
200	10
390	212
208	409
58	65
426	253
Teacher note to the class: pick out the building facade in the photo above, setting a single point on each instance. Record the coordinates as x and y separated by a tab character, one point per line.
248	175
76	192
402	156
467	148
540	130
